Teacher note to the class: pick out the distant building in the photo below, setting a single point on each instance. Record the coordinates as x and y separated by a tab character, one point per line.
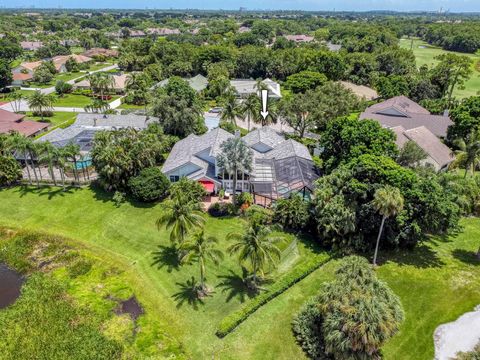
163	31
333	47
197	83
300	38
12	122
401	111
245	87
244	29
362	92
118	86
100	52
31	45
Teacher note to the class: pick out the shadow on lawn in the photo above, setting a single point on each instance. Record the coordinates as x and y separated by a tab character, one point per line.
422	256
465	256
235	287
166	256
49	191
107	196
188	294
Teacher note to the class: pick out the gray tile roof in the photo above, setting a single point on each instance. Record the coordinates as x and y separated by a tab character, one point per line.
114	121
289	148
401	111
265	135
197	83
247	86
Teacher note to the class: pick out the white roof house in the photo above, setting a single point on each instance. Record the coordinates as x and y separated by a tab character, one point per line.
245	87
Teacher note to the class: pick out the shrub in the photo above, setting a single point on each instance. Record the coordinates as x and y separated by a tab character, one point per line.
230	322
78	268
259	214
221	209
292	213
244	198
307	329
149	185
62	87
44	113
118	198
10	171
191	189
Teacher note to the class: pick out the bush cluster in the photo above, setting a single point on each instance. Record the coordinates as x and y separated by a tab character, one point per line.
149	185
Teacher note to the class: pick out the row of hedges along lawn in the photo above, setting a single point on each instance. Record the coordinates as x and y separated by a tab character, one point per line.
230	322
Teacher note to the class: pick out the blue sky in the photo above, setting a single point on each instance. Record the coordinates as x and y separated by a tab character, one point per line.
360	5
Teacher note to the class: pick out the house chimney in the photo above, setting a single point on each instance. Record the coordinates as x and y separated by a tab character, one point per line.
94	121
237	133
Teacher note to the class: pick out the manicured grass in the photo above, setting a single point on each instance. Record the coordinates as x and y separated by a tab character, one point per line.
78	101
425	53
59	118
131	106
129	235
436	282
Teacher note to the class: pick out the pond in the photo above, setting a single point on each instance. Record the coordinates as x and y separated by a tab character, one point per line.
10	285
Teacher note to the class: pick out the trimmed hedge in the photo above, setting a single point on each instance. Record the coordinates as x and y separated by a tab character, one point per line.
230	322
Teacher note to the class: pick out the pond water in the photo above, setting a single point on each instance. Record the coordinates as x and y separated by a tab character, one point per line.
10	285
131	307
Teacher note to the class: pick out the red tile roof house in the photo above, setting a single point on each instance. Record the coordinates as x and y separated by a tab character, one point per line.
10	122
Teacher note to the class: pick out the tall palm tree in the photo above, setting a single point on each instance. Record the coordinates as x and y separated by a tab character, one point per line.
16	99
469	151
202	248
101	82
251	109
180	217
40	102
256	246
49	156
97	106
71	152
21	144
388	201
230	108
235	156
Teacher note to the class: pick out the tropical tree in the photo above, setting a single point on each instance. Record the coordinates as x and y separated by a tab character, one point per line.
257	247
388	201
250	109
71	152
230	108
180	217
202	248
16	100
101	83
49	155
469	151
235	156
39	102
97	106
22	145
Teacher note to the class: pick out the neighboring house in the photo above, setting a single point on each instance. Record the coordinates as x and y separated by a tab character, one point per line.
197	83
100	52
119	83
300	38
162	31
438	154
401	111
279	167
333	47
27	67
31	45
245	87
83	131
362	92
20	78
61	60
137	34
10	122
244	29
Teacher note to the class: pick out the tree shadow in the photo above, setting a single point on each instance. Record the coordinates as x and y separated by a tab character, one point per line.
188	294
107	196
49	191
234	286
166	256
465	256
422	256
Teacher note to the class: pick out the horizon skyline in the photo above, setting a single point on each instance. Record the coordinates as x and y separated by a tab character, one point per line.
451	6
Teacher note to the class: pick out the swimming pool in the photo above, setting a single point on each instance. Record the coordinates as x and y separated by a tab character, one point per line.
84	164
211	121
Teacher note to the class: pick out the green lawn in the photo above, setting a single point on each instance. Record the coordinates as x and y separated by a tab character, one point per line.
59	118
72	100
425	53
131	106
436	283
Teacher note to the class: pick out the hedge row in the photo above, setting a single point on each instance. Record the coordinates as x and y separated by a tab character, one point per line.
230	322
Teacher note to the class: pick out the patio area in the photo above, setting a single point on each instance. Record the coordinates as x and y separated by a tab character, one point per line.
85	175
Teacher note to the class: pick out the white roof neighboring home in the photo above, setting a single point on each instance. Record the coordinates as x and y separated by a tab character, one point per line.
363	92
197	83
401	111
244	29
162	31
245	87
439	155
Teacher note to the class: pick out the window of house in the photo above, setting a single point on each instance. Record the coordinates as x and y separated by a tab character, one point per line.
174	178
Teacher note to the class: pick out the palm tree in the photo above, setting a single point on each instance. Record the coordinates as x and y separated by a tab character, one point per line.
230	108
97	106
49	155
21	144
101	82
71	152
257	246
180	217
388	201
235	156
40	102
469	151
16	98
202	248
251	109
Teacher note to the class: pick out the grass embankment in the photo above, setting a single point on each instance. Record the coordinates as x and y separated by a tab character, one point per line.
59	118
425	54
69	305
436	282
